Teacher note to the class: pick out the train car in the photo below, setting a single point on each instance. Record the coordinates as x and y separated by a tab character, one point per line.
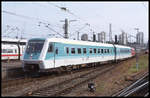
123	52
48	53
133	51
9	52
11	49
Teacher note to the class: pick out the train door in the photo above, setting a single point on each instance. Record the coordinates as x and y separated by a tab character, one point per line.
115	53
50	56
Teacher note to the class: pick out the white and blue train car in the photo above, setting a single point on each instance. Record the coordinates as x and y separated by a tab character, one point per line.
123	52
47	53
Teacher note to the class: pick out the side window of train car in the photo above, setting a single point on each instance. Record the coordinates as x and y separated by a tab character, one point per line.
79	50
107	50
90	50
101	50
16	50
9	51
94	50
67	50
84	50
73	50
3	50
50	48
56	51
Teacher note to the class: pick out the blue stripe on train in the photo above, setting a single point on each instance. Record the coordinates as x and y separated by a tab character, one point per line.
62	51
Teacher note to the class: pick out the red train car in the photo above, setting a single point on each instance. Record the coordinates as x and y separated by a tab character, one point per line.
133	51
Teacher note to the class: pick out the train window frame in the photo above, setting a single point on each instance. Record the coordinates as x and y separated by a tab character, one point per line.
84	50
50	48
79	50
73	51
90	50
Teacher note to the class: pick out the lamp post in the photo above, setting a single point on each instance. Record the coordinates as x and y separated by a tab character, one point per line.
66	27
137	65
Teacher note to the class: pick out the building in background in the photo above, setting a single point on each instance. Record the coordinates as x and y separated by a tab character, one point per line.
102	37
123	38
139	38
84	37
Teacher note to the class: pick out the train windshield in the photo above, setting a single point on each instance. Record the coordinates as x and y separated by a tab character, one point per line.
35	46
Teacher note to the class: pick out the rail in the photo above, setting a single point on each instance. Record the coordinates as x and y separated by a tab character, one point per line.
133	88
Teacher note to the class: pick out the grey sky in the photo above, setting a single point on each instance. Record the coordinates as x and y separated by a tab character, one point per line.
122	15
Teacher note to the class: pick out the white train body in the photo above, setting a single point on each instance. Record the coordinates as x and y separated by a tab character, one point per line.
55	52
10	49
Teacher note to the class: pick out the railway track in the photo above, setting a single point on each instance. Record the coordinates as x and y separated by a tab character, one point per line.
25	79
12	84
66	86
138	88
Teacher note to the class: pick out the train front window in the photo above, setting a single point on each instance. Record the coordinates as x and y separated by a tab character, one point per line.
50	48
35	46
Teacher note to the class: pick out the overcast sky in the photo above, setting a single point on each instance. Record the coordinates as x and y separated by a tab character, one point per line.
26	16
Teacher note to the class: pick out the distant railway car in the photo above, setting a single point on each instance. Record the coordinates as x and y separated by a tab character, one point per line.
42	54
11	49
123	52
133	51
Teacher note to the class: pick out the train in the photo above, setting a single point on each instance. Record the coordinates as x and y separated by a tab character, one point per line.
12	49
43	54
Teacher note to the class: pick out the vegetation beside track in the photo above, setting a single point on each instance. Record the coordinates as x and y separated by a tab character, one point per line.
142	64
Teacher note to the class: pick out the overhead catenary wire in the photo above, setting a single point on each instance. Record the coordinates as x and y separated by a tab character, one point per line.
28	17
67	10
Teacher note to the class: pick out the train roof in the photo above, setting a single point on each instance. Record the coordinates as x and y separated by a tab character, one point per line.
77	42
121	46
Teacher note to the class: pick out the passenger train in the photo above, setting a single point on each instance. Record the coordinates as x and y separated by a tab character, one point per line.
42	54
11	49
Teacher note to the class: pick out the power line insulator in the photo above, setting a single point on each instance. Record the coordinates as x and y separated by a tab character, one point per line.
63	8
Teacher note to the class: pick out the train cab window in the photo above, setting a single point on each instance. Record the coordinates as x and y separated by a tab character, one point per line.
73	50
67	50
84	50
99	50
90	50
56	51
50	49
94	50
79	50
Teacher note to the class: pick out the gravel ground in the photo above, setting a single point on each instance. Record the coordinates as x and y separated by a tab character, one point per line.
106	85
31	86
111	82
8	67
